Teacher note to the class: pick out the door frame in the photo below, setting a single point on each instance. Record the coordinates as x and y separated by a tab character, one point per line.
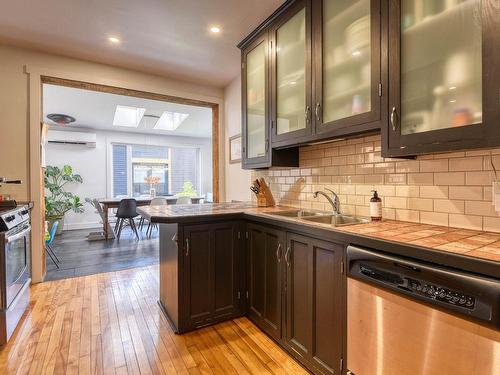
38	76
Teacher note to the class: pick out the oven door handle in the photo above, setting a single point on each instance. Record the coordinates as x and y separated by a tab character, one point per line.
18	235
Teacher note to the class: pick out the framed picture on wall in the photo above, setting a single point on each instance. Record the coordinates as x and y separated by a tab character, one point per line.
235	149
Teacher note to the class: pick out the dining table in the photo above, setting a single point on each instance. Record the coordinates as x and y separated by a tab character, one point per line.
110	203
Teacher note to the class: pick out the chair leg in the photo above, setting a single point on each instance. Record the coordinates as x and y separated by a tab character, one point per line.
51	257
49	248
141	223
119	229
149	230
134	228
117	224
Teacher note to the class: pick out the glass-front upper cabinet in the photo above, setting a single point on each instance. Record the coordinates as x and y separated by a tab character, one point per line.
291	75
346	65
255	103
444	91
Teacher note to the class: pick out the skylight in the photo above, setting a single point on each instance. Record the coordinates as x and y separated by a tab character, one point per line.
170	120
128	116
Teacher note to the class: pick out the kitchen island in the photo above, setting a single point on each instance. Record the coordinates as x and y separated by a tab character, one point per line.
287	274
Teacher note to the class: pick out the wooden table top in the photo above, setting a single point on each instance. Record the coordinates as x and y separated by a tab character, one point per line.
141	199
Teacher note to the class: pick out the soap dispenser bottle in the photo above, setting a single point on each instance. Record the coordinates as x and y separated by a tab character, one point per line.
375	207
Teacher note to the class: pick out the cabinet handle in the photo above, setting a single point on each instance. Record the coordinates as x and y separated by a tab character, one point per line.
393	119
187	246
318	107
287	256
174	239
278	253
308	114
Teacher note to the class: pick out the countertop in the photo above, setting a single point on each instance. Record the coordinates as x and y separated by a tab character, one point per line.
460	243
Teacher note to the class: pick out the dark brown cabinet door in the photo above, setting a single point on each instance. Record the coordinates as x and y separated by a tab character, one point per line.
255	103
299	299
346	66
444	76
265	254
314	319
211	277
290	38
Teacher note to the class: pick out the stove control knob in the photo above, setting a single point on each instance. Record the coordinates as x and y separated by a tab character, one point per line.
9	218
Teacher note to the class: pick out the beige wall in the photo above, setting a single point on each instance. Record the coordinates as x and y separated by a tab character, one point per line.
20	114
237	181
451	189
14	105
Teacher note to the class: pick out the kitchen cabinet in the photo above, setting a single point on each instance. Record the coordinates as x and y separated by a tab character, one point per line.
256	150
314	321
202	268
265	249
444	81
324	77
346	66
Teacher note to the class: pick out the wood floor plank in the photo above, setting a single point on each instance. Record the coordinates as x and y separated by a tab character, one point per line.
111	324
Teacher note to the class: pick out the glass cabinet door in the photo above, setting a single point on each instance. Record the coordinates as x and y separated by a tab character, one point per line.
256	102
348	62
441	64
292	112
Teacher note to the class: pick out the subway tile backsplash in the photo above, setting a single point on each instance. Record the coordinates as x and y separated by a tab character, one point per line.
451	189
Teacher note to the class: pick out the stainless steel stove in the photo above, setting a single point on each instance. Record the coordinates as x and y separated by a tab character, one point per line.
15	237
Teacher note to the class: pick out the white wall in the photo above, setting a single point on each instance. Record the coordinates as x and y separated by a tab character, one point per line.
93	164
237	179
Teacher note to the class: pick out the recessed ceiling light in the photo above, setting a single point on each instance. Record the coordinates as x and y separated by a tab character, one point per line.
215	29
356	53
453	101
128	116
114	39
170	121
452	87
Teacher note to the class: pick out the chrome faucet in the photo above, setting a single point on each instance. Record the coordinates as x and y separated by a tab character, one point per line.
335	202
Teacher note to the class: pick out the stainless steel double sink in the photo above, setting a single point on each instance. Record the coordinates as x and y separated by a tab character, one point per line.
322	217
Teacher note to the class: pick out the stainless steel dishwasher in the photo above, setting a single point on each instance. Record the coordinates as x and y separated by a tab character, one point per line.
413	318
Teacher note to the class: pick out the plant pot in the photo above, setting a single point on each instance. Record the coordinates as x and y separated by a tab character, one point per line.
60	226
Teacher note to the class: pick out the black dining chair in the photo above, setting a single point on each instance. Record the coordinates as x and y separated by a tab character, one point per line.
127	211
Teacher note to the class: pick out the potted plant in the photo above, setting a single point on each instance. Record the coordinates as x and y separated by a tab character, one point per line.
188	190
58	201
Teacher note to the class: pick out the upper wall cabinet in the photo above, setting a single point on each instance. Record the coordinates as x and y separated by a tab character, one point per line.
348	88
291	75
256	118
444	76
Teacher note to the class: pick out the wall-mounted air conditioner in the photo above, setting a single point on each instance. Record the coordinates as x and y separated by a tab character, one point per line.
71	138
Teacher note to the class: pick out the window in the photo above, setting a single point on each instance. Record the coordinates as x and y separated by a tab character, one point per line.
138	168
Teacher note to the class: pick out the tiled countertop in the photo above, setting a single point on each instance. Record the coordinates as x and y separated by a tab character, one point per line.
477	244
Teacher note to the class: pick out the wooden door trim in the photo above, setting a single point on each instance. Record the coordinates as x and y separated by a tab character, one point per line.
154	96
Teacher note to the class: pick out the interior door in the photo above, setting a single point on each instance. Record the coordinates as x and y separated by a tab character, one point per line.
291	75
347	60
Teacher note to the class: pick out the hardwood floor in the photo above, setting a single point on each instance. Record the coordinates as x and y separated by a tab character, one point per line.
80	257
111	324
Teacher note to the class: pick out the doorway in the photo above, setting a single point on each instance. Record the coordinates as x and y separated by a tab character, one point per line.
119	144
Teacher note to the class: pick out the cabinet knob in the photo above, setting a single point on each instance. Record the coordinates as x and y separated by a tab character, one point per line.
308	114
187	246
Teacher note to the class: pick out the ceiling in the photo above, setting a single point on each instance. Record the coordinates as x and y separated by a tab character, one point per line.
96	110
165	37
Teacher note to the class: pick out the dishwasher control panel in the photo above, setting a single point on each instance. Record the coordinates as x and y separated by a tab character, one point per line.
463	293
441	294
